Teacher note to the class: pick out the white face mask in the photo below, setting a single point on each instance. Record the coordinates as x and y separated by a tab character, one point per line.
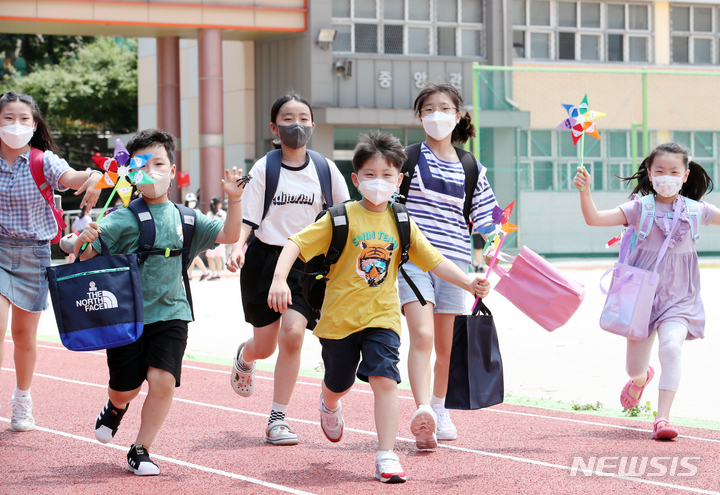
377	191
667	186
16	136
158	188
439	125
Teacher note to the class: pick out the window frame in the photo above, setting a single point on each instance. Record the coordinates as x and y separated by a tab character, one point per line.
691	35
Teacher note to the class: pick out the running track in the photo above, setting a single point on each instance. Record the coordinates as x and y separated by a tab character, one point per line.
213	442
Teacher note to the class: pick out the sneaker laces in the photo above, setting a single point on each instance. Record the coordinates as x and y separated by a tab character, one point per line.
389	463
22	408
443	417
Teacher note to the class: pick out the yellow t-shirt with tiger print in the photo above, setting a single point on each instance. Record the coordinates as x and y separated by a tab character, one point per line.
362	291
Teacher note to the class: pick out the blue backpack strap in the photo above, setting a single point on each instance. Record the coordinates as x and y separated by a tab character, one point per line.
472	175
273	164
408	169
147	227
187	215
324	176
647	217
692	210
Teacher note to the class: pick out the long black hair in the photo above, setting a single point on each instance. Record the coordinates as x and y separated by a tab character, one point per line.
698	182
465	129
42	139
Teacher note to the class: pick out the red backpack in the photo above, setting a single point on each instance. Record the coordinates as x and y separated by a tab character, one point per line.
36	169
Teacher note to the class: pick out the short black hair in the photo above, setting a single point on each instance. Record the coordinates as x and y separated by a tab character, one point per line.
375	144
284	99
150	138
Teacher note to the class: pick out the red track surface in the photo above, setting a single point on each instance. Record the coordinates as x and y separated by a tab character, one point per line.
213	442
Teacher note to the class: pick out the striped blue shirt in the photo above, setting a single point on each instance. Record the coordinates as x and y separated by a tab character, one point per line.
24	213
436	200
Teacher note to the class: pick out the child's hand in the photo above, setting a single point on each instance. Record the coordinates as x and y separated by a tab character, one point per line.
236	260
230	184
279	296
89	234
583	180
479	286
91	194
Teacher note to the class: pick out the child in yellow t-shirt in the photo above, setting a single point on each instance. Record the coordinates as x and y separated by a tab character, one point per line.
360	317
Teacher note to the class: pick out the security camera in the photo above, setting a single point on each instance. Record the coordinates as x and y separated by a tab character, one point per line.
343	68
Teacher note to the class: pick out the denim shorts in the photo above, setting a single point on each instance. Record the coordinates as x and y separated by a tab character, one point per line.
446	297
22	272
380	350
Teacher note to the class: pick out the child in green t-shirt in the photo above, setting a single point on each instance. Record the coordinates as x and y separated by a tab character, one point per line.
360	317
157	355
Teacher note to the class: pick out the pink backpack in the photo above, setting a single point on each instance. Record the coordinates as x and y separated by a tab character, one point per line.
539	290
36	169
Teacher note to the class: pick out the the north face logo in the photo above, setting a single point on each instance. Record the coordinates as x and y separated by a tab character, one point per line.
97	299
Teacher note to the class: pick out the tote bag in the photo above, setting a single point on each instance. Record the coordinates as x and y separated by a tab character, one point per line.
476	372
539	290
98	302
630	298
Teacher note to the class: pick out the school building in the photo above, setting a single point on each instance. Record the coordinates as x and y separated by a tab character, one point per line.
209	71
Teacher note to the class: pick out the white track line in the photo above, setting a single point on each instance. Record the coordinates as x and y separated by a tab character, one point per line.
176	461
365	432
357	390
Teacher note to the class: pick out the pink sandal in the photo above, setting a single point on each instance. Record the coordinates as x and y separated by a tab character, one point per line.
663	430
627	400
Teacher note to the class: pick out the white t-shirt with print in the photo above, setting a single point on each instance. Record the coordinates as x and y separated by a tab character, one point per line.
296	203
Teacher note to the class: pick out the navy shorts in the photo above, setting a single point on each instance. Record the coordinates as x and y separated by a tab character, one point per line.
380	350
255	281
161	345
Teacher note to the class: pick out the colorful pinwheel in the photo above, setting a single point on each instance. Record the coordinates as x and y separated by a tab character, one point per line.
581	121
121	172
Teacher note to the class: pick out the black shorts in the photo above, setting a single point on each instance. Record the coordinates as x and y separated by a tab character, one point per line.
478	241
161	345
380	349
255	281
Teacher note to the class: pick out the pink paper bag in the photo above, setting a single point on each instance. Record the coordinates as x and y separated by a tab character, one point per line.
540	290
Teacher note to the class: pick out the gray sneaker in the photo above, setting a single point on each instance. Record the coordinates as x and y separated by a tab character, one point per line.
332	422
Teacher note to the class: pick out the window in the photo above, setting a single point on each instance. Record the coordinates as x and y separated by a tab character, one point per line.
694	34
566	30
451	28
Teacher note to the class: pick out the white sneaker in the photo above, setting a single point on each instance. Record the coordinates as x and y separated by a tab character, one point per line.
445	428
22	418
243	382
332	422
423	426
388	468
279	433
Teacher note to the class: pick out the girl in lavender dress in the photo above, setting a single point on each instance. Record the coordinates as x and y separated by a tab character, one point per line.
677	313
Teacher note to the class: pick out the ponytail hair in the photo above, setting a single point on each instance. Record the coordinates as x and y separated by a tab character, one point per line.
698	183
465	129
42	139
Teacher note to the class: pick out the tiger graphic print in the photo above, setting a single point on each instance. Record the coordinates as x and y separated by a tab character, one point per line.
373	262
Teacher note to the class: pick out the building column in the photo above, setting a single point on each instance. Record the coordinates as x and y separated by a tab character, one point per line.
212	159
168	105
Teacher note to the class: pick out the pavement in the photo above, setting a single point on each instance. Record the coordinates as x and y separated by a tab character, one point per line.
576	364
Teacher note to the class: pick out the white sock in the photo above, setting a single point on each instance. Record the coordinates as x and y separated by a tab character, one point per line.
382	452
437	401
25	394
327	409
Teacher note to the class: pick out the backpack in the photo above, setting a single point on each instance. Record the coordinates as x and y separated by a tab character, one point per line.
273	164
692	213
469	166
38	175
314	279
147	239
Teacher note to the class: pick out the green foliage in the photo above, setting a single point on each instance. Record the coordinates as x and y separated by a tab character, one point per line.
94	89
640	410
40	50
587	407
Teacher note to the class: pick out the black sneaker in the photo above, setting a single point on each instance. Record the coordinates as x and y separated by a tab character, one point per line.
139	462
107	422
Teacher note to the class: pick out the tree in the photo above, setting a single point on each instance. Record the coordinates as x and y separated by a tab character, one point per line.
38	50
92	89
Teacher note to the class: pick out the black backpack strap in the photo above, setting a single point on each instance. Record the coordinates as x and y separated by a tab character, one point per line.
324	176
471	180
408	169
402	219
273	164
187	215
147	227
339	219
